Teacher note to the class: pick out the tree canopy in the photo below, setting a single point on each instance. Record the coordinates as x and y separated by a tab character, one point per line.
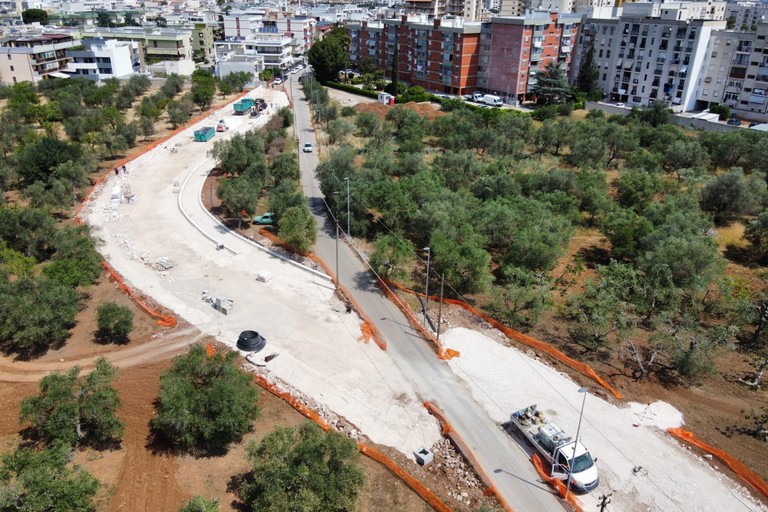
74	410
206	402
302	469
330	55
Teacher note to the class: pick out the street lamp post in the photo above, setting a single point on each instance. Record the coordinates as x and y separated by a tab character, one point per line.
349	234
440	309
578	430
426	285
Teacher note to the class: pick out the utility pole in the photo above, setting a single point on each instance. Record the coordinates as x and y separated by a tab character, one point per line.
604	501
440	309
337	254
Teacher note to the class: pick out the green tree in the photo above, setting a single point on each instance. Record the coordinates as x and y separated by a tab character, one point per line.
206	402
178	114
35	16
37	159
338	130
625	229
521	299
368	124
636	189
330	55
589	74
392	257
73	411
203	88
76	261
35	313
239	195
200	504
297	227
303	469
732	194
462	259
147	125
238	80
103	19
691	348
551	86
756	233
35	481
114	323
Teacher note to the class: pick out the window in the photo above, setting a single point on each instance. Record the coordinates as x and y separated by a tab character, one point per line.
714	55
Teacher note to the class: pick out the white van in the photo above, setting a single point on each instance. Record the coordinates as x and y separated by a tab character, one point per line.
493	101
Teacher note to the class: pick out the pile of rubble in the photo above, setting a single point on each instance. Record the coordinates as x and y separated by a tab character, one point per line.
461	477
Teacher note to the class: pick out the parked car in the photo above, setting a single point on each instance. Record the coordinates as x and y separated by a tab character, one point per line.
267	218
278	81
733	121
308	148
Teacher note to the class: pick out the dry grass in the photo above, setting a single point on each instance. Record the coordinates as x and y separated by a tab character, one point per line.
731	235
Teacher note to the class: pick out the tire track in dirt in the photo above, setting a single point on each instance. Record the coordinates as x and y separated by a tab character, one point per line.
147	477
158	350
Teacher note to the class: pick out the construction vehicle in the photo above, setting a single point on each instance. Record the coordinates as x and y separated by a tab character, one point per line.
564	454
243	106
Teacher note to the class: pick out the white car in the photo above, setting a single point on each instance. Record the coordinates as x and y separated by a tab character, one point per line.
308	148
278	81
294	71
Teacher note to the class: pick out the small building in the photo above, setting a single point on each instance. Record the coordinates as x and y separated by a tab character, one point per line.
101	59
34	57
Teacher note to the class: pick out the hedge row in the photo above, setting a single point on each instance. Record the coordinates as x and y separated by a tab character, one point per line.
353	89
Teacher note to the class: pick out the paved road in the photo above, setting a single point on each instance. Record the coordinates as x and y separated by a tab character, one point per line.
504	460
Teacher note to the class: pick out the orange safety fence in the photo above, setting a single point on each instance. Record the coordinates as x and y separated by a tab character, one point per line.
368	326
370	452
468	453
442	352
558	484
420	489
729	460
164	320
529	341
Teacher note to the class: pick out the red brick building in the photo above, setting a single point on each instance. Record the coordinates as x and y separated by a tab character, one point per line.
440	55
512	49
451	56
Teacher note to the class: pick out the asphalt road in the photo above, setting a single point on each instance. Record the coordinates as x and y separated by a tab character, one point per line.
503	459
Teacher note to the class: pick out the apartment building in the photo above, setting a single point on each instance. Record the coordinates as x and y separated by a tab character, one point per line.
101	59
512	49
470	10
31	58
513	8
159	43
745	15
202	41
250	24
735	73
440	55
652	51
266	50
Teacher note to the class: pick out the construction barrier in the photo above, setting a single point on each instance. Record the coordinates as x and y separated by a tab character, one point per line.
164	320
419	488
558	484
468	453
729	460
370	452
442	352
539	345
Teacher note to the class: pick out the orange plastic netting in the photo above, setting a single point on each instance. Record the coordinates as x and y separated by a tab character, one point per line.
467	452
558	484
419	488
539	345
164	320
737	467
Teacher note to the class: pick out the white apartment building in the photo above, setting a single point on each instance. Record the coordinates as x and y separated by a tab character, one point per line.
266	50
250	24
103	59
744	15
735	73
652	51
